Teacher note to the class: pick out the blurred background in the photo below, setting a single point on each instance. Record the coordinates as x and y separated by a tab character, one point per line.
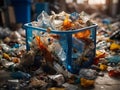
23	11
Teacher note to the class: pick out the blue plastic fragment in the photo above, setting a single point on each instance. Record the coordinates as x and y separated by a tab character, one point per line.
74	16
16	45
115	59
20	75
106	21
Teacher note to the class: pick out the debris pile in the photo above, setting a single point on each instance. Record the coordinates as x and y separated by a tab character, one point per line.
43	67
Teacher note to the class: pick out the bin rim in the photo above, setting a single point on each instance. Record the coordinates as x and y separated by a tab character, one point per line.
29	25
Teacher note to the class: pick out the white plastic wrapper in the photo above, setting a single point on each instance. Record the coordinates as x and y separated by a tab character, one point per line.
84	16
58	78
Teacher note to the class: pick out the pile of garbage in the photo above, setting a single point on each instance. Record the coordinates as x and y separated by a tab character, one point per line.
43	67
62	21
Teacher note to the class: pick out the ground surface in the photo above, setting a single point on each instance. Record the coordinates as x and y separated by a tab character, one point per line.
101	83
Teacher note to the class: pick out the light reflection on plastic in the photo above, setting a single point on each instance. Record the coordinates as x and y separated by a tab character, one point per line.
96	1
91	2
69	1
69	67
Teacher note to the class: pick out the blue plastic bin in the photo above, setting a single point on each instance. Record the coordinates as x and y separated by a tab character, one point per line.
22	9
39	7
68	37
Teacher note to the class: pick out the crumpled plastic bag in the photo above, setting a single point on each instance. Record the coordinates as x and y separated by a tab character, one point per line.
45	21
88	74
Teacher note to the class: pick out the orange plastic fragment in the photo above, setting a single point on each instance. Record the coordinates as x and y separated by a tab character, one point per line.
46	53
99	55
67	23
83	34
6	56
86	82
103	67
114	46
15	60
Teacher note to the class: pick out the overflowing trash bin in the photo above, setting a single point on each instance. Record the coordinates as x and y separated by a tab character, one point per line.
71	47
